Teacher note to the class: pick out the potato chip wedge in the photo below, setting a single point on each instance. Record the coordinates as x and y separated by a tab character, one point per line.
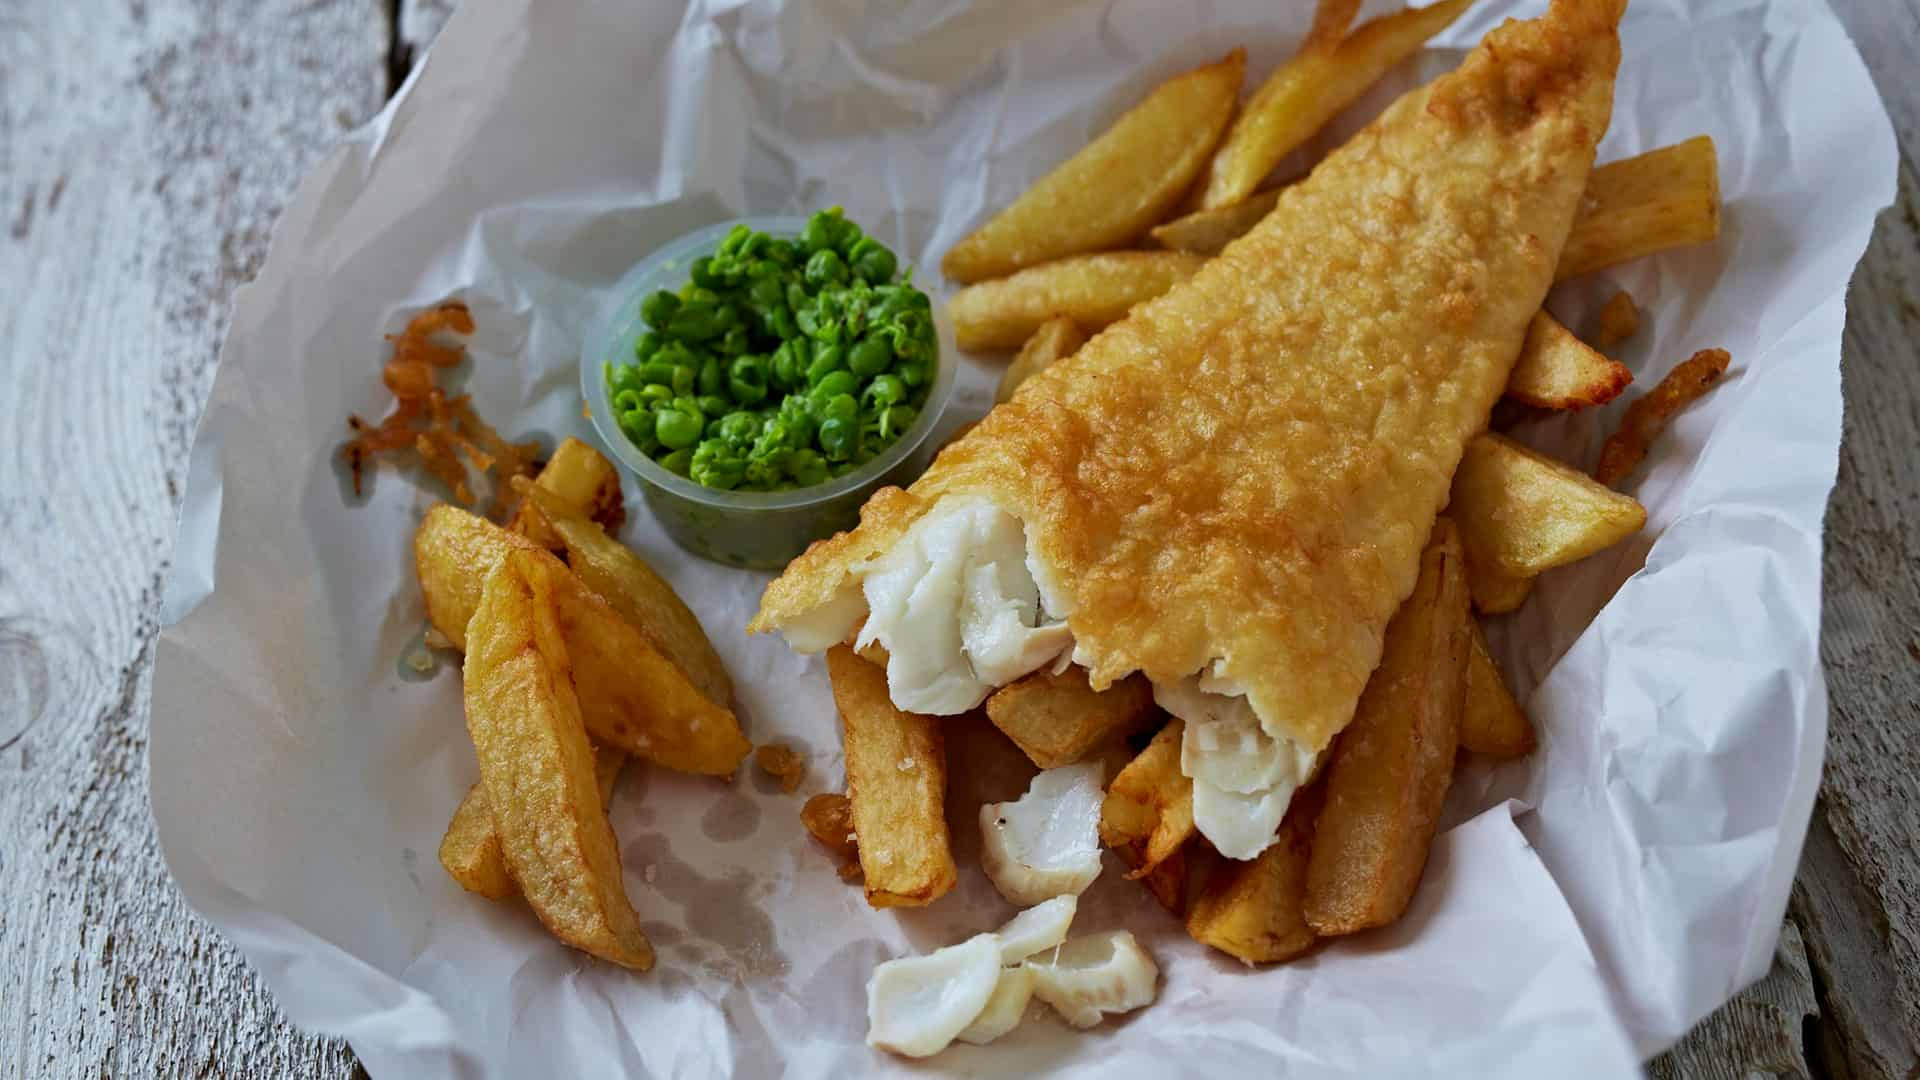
1495	591
1665	198
631	694
1208	232
1492	722
1057	338
1092	290
1304	93
1648	416
471	849
896	780
1109	194
453	552
1253	911
1148	811
637	592
1559	371
1392	765
585	480
1522	513
1058	719
538	768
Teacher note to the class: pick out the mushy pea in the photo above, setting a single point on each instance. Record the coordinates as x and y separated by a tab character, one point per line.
781	363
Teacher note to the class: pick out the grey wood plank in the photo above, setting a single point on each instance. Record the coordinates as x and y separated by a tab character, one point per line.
145	148
1857	898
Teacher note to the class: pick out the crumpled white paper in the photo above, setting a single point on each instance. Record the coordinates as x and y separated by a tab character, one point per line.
1596	900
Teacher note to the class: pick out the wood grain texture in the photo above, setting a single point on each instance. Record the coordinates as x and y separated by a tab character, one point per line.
144	151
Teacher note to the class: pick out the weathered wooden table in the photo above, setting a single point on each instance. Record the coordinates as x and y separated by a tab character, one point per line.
145	148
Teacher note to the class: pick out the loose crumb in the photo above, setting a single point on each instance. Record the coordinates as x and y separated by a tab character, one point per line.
1619	320
1648	416
783	763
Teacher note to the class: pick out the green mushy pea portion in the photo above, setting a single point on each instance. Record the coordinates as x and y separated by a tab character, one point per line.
781	363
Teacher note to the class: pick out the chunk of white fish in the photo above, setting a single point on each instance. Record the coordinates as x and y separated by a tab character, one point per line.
1004	1009
916	1005
1092	977
1047	842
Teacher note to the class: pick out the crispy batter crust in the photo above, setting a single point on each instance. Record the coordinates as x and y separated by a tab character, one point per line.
1248	467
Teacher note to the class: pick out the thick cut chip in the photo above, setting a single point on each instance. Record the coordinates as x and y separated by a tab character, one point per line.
1557	370
1665	198
632	696
1523	513
896	780
453	552
1392	765
638	593
1148	811
1114	189
1057	719
471	849
538	769
1307	91
1494	590
1493	723
1207	232
583	479
1092	290
1056	339
1646	418
1252	911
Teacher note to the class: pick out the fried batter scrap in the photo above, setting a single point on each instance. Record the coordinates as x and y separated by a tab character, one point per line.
783	763
1647	417
439	431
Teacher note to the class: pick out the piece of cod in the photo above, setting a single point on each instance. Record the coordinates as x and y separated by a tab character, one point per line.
1229	489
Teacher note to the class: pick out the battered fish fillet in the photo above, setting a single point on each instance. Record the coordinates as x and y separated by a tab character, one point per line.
1229	490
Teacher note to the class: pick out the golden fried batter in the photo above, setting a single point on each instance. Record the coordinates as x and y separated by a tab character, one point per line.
1247	468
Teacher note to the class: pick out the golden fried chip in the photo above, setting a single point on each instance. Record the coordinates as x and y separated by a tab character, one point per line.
1303	94
1492	723
1056	339
1494	590
1647	417
1117	186
637	592
1392	765
1559	371
632	696
1651	202
537	766
1208	232
1252	910
471	849
1058	719
1522	513
583	479
1092	290
1148	811
896	779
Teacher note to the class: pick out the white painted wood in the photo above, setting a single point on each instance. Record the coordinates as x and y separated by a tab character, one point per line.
144	150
